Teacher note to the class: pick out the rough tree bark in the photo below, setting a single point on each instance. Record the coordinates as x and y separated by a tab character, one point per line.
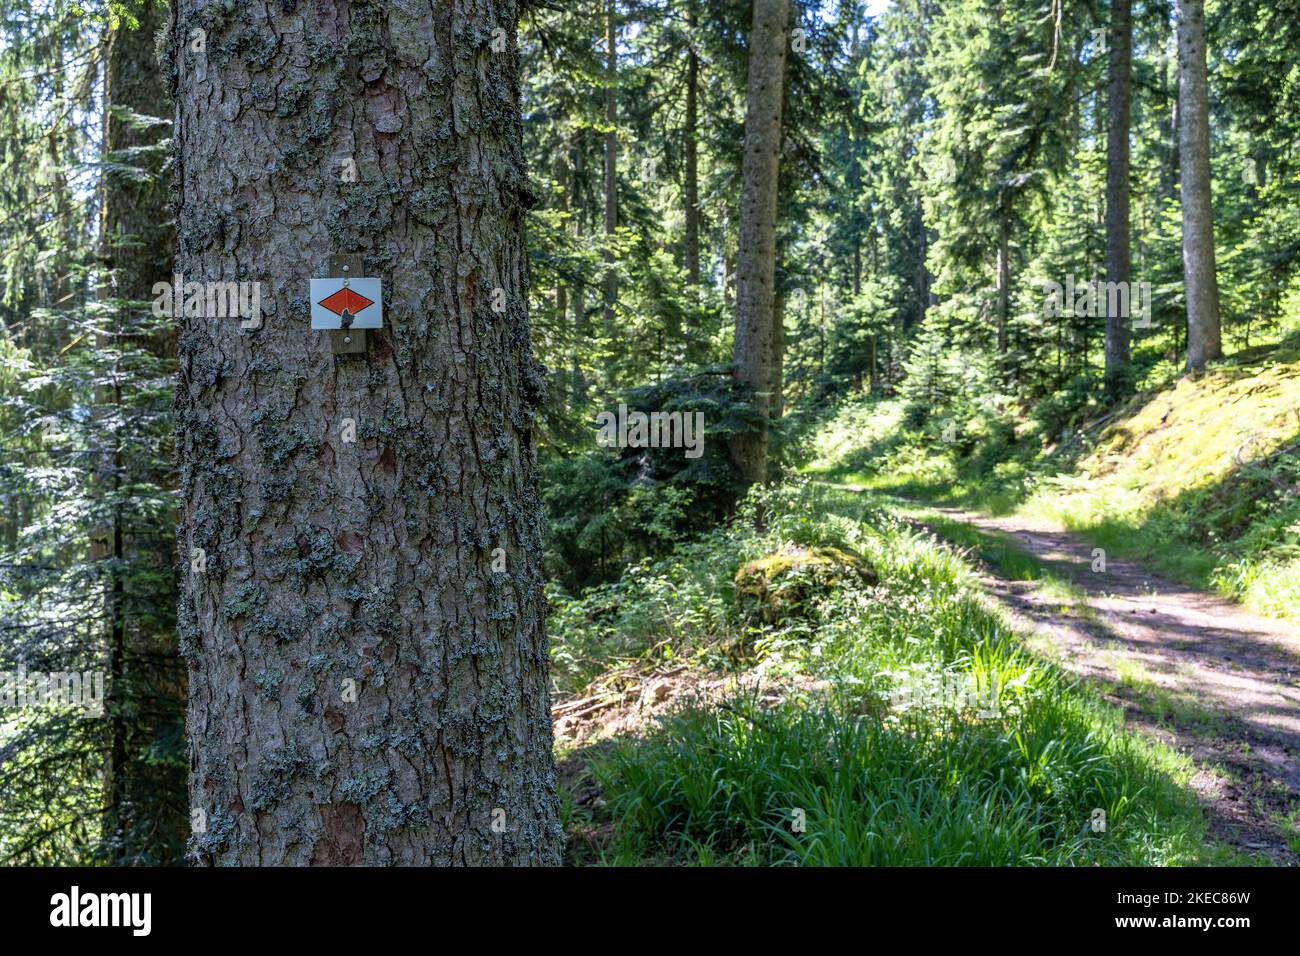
1199	275
1118	249
368	661
758	202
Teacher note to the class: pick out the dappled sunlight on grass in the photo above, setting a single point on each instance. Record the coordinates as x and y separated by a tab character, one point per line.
939	739
1202	478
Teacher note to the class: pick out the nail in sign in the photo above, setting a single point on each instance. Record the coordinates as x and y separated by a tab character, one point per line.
358	304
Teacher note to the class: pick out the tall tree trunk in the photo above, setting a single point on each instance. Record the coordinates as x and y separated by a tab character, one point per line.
1003	283
821	334
1169	171
777	407
611	162
581	225
144	784
564	179
691	187
1204	342
922	277
728	277
368	657
758	203
1118	250
875	373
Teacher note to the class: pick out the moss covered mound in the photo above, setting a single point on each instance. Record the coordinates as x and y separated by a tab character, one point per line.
786	584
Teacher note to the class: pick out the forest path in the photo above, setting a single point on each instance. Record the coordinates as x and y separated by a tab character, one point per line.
1200	673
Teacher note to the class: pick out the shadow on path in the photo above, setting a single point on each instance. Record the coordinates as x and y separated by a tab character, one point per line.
1203	674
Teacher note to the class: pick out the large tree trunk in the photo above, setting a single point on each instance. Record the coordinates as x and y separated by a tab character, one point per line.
611	163
1200	281
691	187
368	658
1118	250
144	787
758	203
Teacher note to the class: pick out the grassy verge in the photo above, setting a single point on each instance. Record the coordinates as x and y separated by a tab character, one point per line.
1200	480
933	736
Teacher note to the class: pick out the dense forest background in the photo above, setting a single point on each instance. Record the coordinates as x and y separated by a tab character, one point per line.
939	163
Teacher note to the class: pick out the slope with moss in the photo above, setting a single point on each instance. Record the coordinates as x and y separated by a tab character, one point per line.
1204	479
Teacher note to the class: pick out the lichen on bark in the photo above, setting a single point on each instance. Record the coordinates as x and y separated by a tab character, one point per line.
366	563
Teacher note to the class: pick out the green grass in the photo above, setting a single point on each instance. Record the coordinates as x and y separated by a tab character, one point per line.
1199	479
864	770
993	547
1192	479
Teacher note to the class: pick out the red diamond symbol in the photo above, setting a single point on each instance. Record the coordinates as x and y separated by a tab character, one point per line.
345	299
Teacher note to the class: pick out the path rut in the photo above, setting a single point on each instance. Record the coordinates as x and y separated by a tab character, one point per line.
1203	674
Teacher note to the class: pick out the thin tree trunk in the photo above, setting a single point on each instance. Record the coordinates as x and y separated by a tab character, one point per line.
758	204
691	187
366	643
118	822
1003	282
1169	176
821	335
1169	171
923	278
581	226
1118	250
729	279
1204	343
611	163
777	408
564	179
144	819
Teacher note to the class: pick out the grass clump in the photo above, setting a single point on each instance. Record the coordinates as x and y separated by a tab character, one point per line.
927	734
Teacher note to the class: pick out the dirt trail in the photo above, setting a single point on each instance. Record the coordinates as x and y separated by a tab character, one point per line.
1199	672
